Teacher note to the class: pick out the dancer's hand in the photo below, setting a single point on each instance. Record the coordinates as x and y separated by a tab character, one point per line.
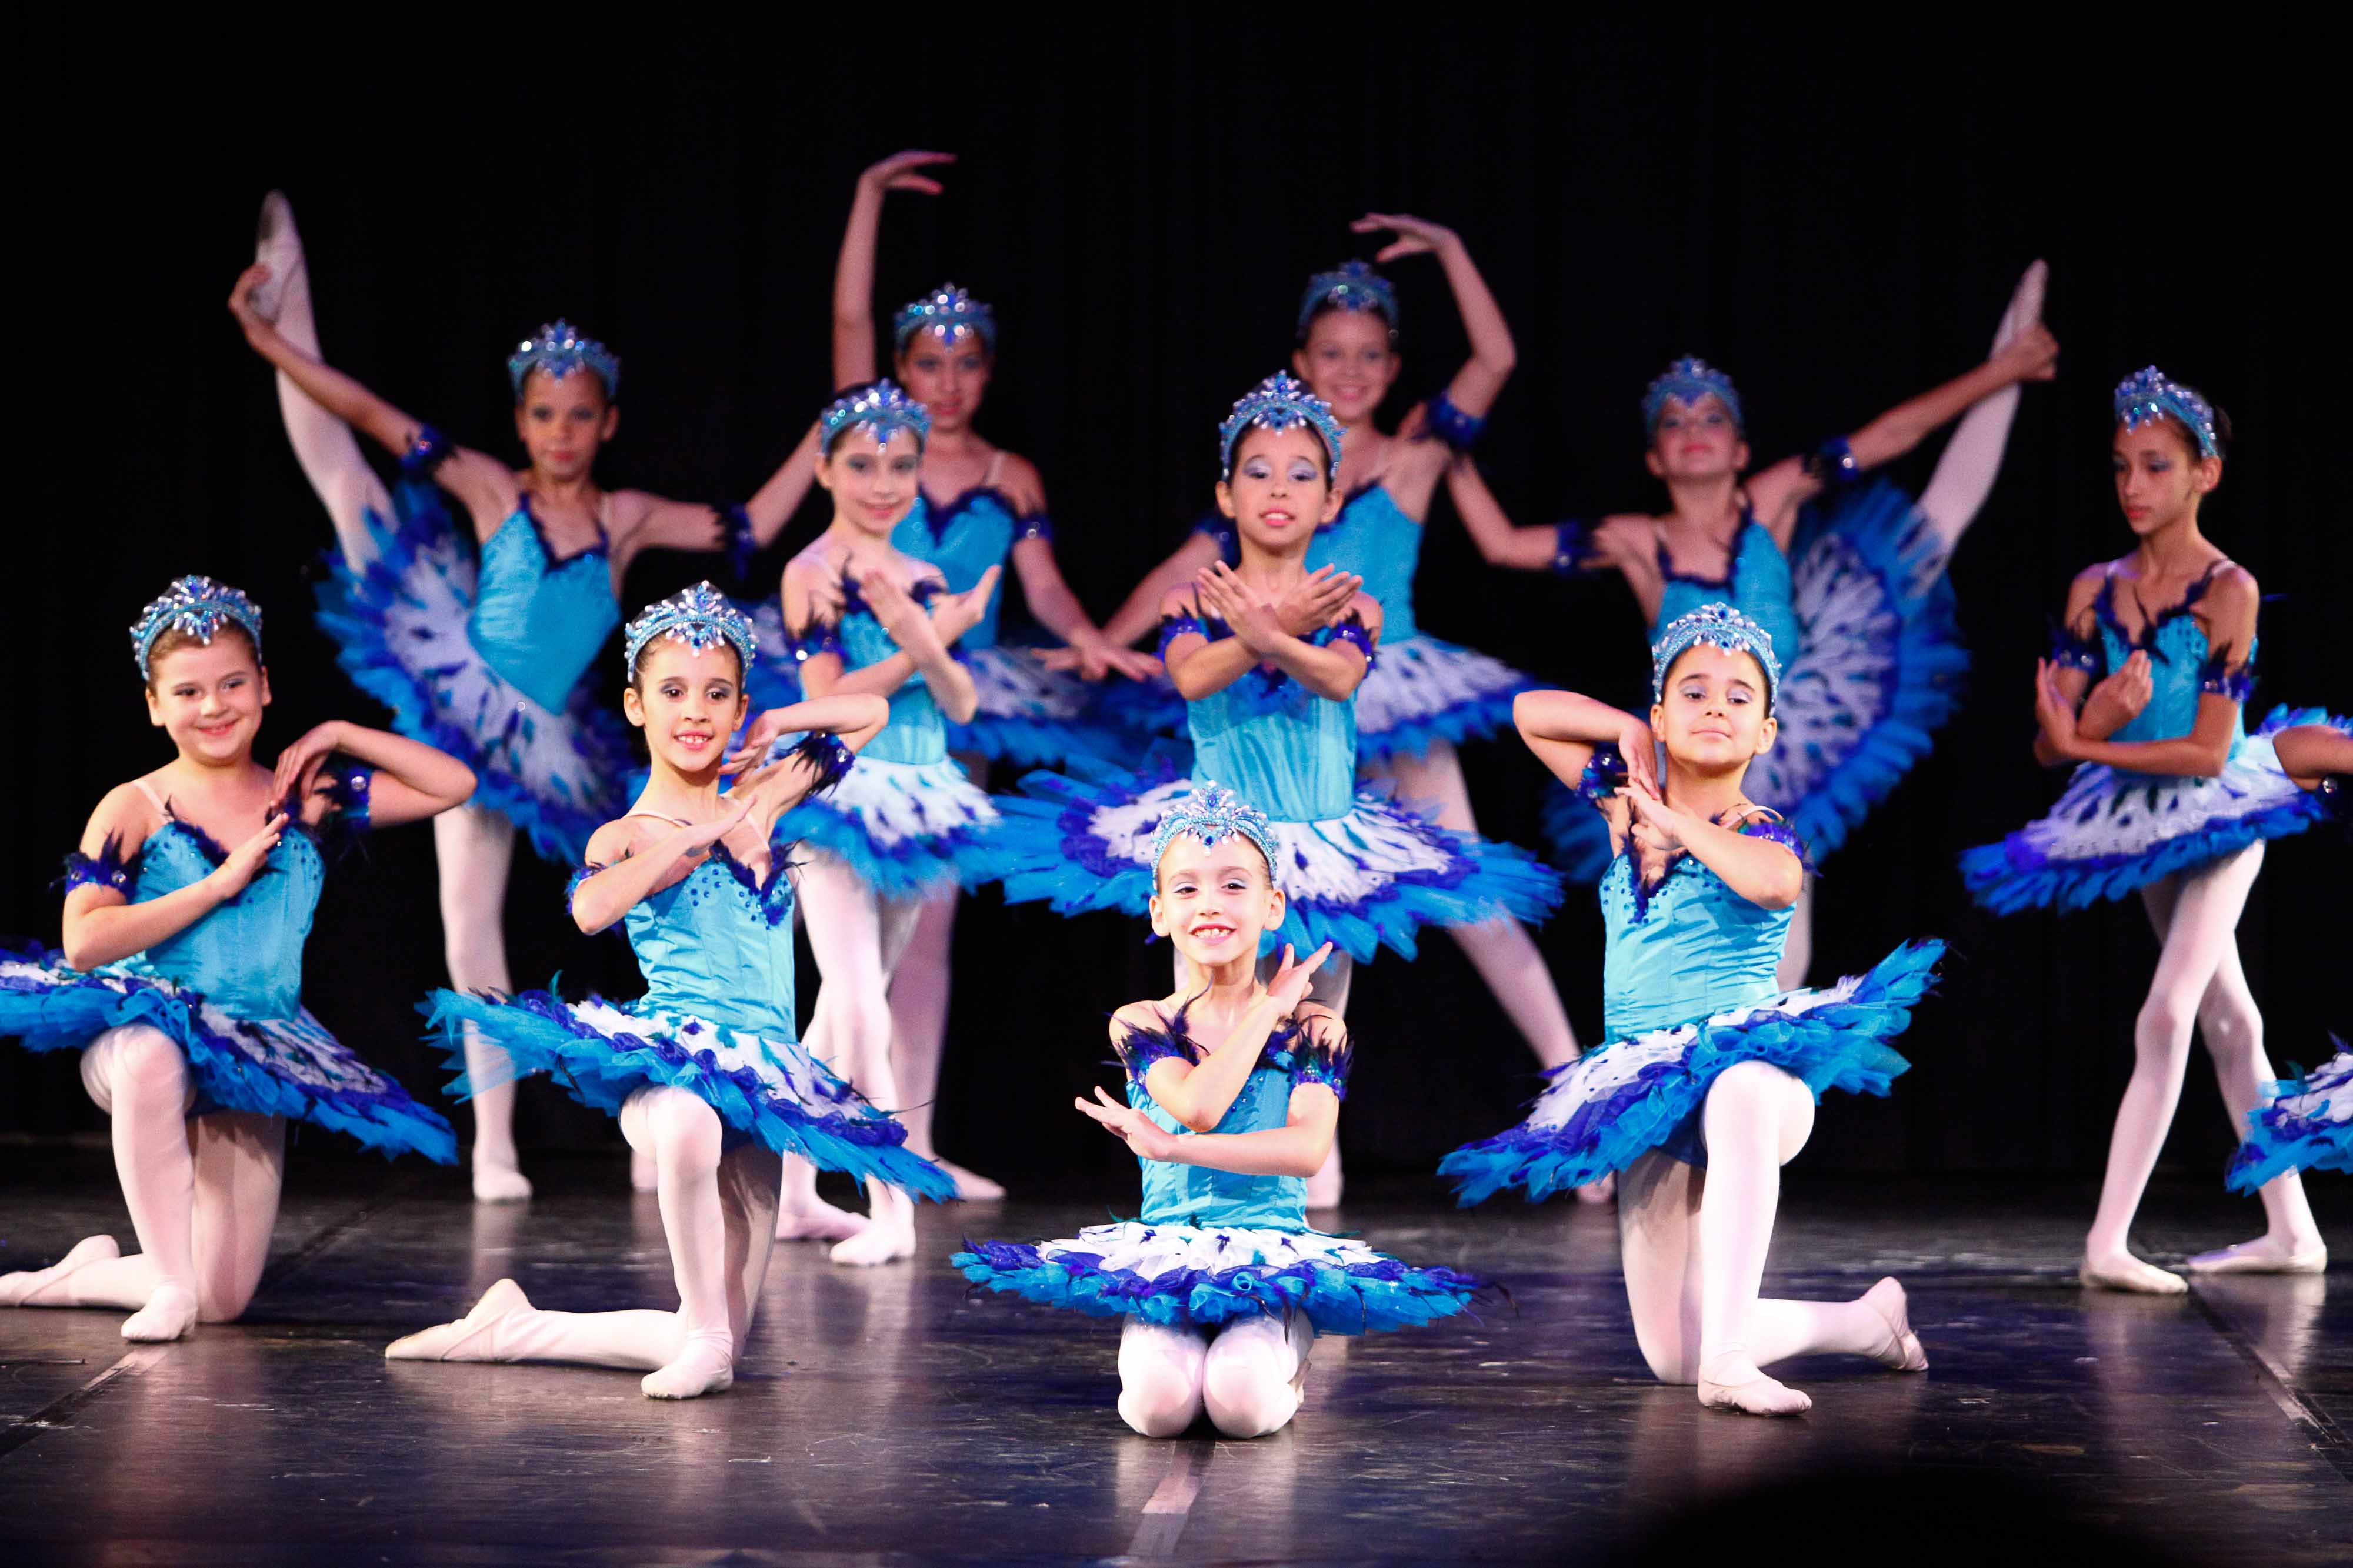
895	607
1097	658
250	319
1252	620
2033	355
2052	711
1641	749
959	612
299	764
1415	237
1622	543
1657	824
735	805
2117	700
244	863
762	735
898	172
1131	1126
1310	604
1289	986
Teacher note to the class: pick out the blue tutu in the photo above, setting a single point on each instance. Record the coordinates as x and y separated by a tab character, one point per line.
2303	1124
1619	1102
1423	690
907	829
1028	715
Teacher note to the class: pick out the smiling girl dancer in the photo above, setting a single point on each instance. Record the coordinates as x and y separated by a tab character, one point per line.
181	980
1864	615
2172	799
1031	710
482	652
1423	695
1233	1098
904	824
1269	657
704	1071
1707	1087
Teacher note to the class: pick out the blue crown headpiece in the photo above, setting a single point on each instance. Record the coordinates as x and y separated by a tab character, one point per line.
949	311
1353	286
1278	403
2148	396
1687	381
1208	814
198	606
700	617
881	403
1719	625
559	349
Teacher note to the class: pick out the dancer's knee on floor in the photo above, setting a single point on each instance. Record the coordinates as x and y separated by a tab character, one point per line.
1160	1371
1246	1387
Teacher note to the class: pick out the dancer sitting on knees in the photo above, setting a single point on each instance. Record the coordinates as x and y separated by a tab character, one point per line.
705	1071
479	638
1270	656
1707	1087
1233	1098
905	825
2171	799
181	980
1848	578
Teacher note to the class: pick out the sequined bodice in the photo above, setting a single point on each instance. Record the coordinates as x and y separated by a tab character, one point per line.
246	955
2180	664
1278	745
1374	538
537	621
1759	585
916	732
718	946
964	539
1689	947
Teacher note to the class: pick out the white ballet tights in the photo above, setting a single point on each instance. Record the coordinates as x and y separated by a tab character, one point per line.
2197	983
1694	1248
858	937
717	1213
1966	468
201	1190
1248	1378
475	848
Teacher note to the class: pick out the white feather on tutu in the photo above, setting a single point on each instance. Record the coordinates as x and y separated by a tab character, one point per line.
1422	690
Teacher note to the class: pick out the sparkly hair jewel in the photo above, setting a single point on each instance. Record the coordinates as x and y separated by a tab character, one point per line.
1353	286
2148	396
700	617
198	606
881	403
559	349
1718	625
1278	403
949	311
1208	814
1687	381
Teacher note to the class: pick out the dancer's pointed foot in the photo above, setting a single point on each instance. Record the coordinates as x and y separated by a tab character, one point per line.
2264	1255
2025	304
277	246
971	1186
18	1289
704	1366
645	1172
818	1221
1728	1380
495	1182
467	1339
170	1312
1599	1191
1903	1351
2123	1271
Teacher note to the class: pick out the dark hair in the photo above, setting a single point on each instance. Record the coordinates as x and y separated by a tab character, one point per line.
1667	676
1322	451
173	641
637	670
1330	307
2190	438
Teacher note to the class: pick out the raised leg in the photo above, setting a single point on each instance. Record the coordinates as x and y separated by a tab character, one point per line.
1256	1373
1160	1374
1972	459
475	848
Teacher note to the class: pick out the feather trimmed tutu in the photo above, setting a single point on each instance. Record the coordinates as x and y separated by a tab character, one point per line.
1028	715
2304	1124
1183	1274
2113	831
401	628
1363	881
1616	1103
770	1091
1142	712
908	829
1423	690
271	1067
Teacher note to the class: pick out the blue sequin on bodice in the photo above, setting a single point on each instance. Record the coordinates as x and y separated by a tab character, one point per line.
2179	665
719	946
964	539
1289	752
540	622
246	955
916	732
1683	950
1758	586
1374	538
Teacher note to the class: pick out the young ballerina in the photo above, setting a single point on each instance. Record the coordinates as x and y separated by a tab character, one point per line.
705	1071
905	825
1033	705
482	651
1423	695
2171	799
181	980
1851	588
1268	657
1708	1085
1233	1098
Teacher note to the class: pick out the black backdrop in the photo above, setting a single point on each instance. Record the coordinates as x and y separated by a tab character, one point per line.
1836	219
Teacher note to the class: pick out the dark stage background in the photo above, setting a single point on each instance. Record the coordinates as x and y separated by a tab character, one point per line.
1839	223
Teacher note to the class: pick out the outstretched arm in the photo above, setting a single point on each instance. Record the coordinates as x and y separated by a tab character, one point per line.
853	270
1413	467
1502	541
